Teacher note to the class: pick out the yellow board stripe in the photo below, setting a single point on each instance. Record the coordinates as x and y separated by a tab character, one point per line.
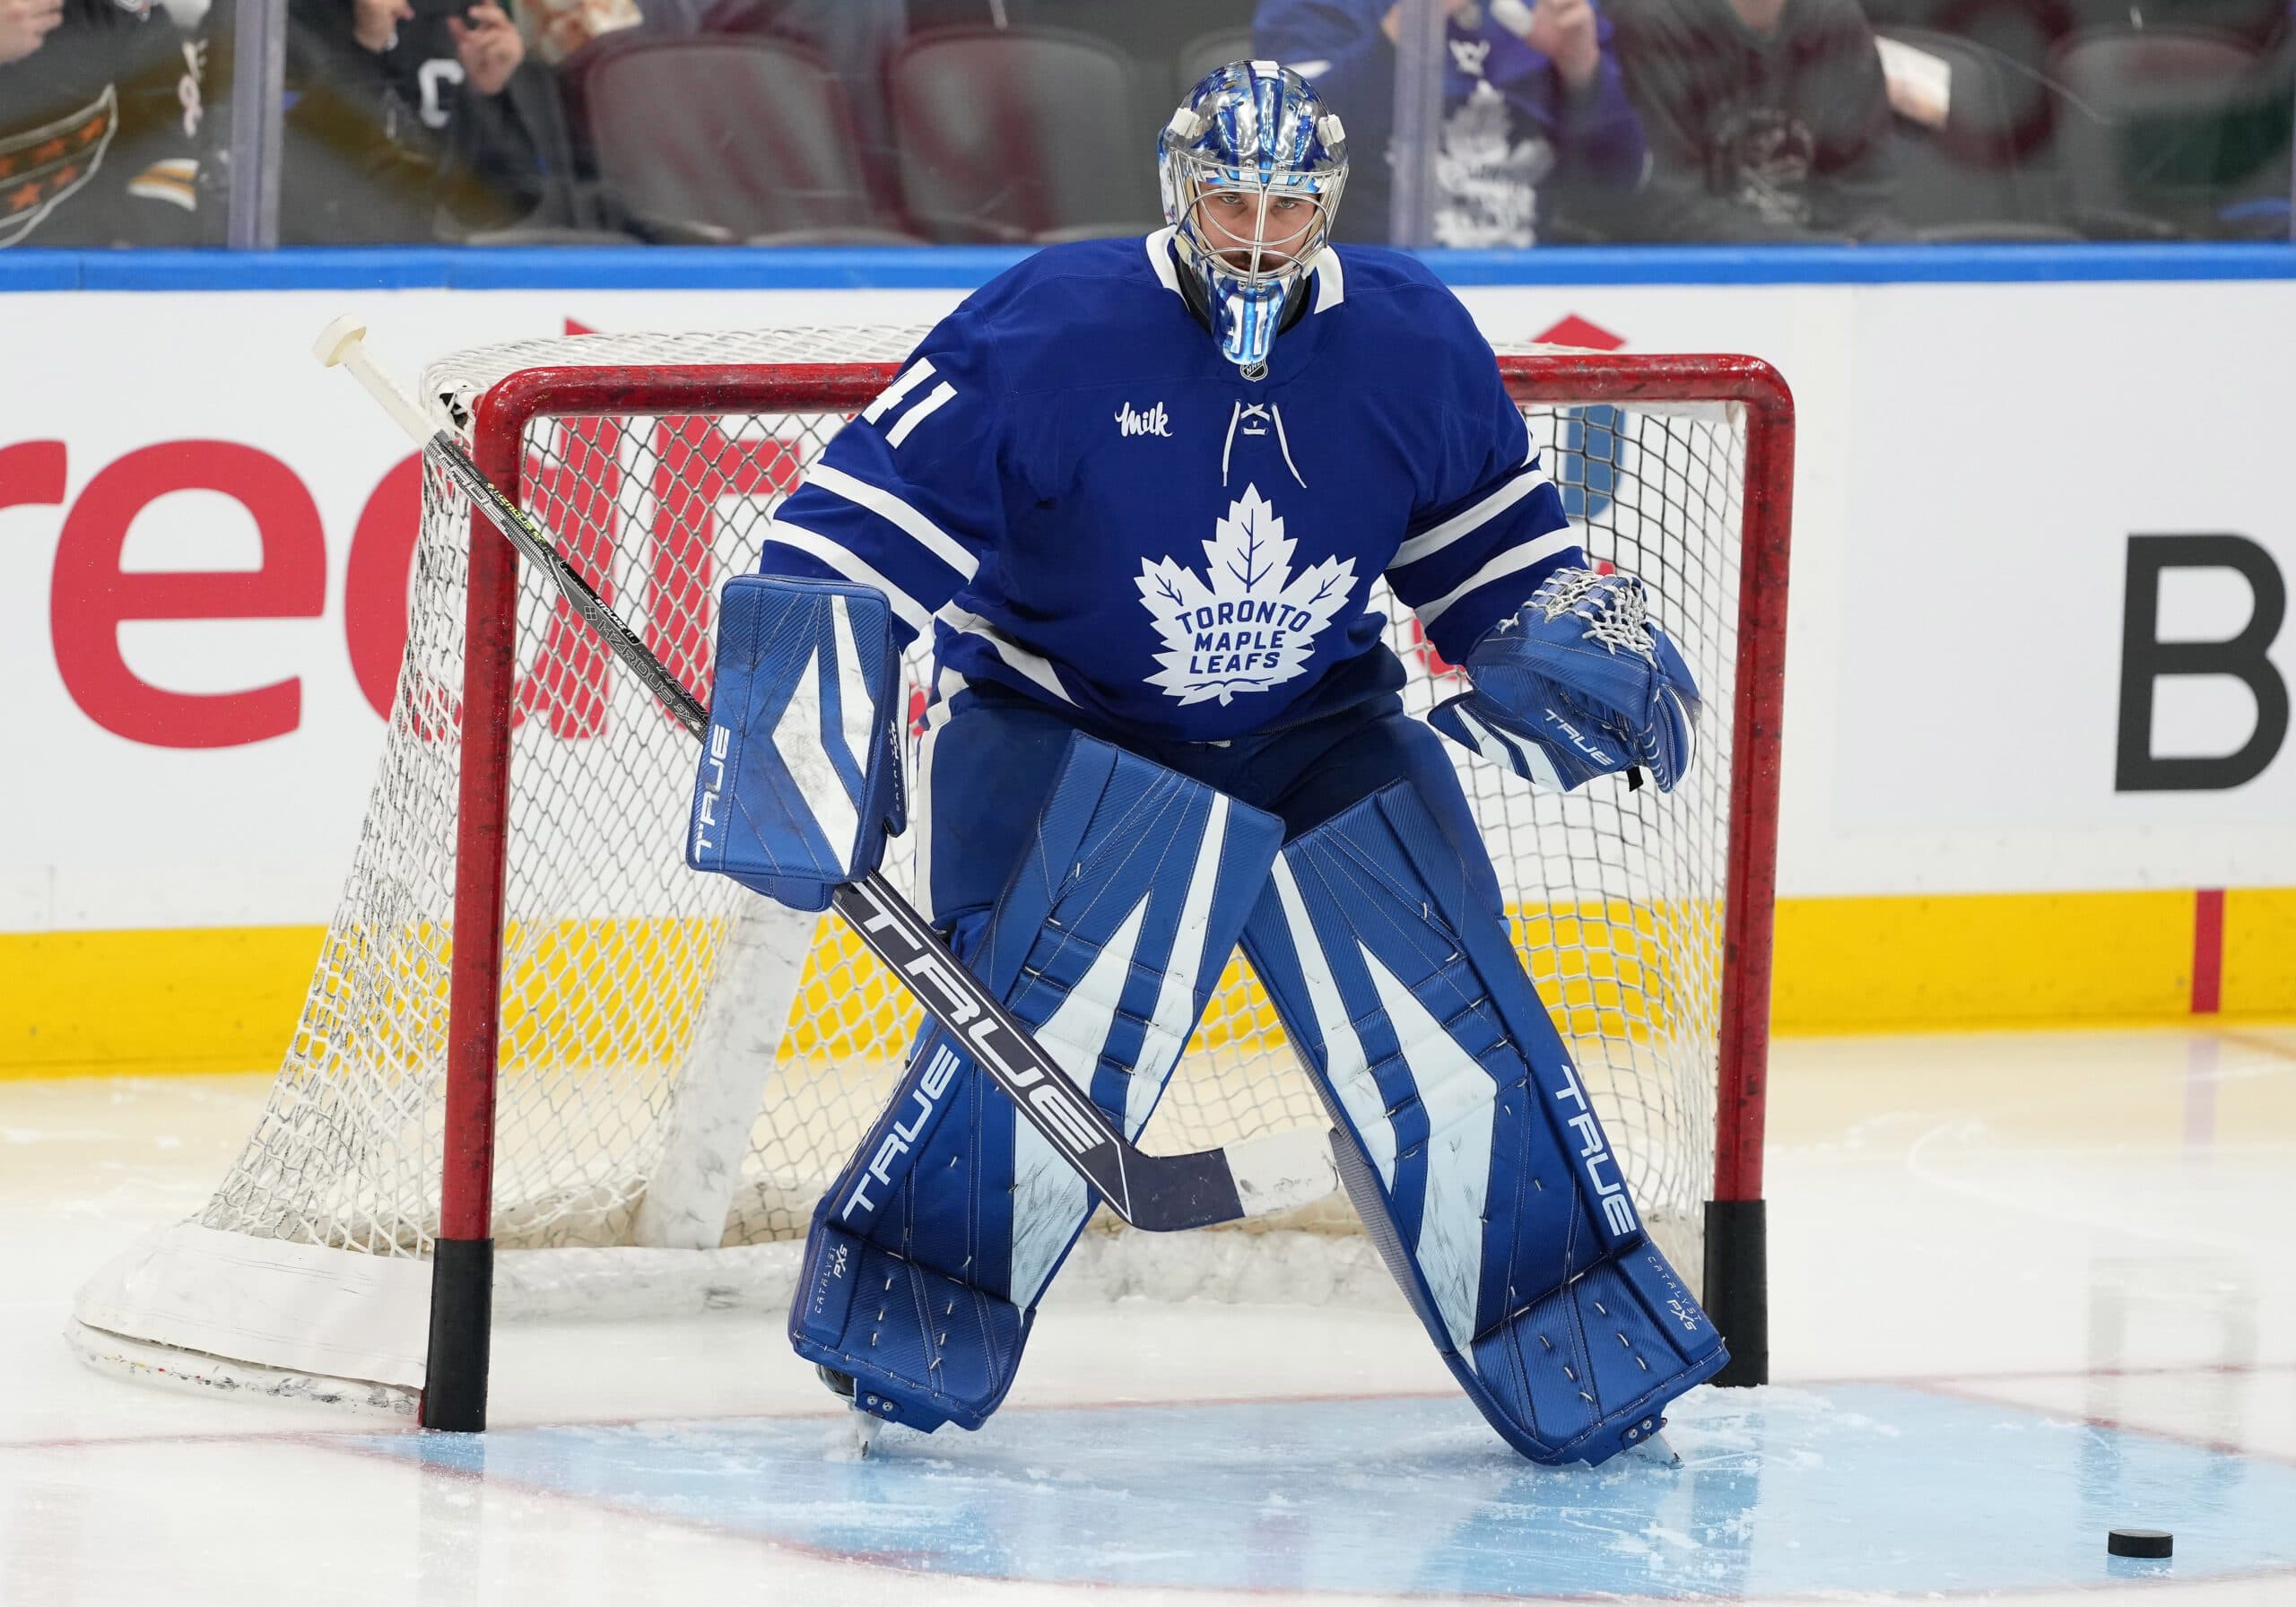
217	1000
1995	959
2259	951
194	1000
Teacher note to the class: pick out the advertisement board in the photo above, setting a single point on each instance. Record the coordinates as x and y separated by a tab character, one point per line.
2042	543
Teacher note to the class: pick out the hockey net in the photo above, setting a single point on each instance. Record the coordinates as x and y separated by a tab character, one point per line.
678	1064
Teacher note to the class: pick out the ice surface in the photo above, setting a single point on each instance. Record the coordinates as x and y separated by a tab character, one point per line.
2025	1288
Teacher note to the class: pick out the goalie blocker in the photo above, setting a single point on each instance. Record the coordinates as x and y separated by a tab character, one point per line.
807	673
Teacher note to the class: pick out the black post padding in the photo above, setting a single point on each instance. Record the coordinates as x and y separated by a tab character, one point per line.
461	1310
1737	1287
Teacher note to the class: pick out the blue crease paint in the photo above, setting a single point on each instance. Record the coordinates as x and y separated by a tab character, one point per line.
1786	1492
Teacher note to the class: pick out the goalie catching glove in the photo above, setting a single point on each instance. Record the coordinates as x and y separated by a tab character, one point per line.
1580	683
800	782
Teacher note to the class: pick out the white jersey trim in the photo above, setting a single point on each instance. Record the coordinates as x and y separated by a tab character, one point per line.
1529	554
1036	668
881	502
1160	258
911	613
1331	281
1459	525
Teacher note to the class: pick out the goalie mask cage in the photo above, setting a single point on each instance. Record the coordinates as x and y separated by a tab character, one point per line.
531	1028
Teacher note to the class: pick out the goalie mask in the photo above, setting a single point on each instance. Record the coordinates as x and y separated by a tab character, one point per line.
1251	166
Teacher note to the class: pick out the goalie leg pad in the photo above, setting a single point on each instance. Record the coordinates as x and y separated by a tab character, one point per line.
1477	1163
928	1255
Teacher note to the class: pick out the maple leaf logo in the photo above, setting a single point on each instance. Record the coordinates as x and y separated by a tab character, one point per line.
1246	623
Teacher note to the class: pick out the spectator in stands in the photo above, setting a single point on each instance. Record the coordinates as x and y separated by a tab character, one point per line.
102	109
560	27
1769	120
413	120
1534	111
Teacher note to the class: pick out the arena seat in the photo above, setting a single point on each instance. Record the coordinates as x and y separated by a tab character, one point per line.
726	139
2161	127
1207	51
1969	178
2251	21
1013	135
2019	33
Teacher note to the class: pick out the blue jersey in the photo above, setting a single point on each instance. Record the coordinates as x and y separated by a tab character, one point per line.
1085	502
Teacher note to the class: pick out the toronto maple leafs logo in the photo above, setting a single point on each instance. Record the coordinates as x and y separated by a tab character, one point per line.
1246	623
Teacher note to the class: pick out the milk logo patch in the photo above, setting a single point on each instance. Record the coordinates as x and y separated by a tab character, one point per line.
1131	421
1246	623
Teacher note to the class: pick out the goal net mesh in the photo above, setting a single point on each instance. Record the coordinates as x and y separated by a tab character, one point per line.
612	951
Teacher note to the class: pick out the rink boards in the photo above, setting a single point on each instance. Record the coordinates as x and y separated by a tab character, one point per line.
1989	817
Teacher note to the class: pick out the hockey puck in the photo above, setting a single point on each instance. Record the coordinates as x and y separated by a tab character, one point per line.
2141	1543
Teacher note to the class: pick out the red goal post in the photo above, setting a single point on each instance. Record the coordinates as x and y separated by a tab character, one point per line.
550	1086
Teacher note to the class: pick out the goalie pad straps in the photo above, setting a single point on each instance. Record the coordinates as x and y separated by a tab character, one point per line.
799	783
1479	1166
928	1256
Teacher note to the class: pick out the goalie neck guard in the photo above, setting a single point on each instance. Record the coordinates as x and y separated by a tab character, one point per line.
1251	166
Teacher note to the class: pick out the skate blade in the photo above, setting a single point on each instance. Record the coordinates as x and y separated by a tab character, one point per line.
854	1436
1654	1447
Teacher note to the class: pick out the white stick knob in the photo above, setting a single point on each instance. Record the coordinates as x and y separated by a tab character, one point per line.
342	343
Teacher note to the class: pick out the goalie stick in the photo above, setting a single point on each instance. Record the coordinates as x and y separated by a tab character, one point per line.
1159	1192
